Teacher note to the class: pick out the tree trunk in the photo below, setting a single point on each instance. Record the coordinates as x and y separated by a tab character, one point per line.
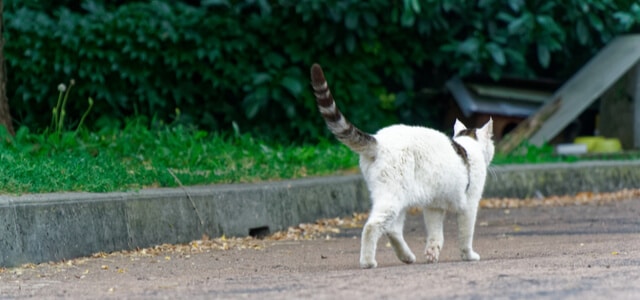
5	115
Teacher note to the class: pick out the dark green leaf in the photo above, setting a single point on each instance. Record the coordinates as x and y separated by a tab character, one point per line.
504	16
370	19
596	22
265	7
548	23
468	46
496	53
274	59
415	5
408	18
292	85
350	43
544	57
582	32
215	3
520	24
351	20
515	5
255	101
261	78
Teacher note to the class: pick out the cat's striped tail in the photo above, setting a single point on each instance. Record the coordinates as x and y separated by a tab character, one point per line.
357	140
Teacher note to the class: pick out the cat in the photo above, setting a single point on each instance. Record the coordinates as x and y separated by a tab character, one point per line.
411	166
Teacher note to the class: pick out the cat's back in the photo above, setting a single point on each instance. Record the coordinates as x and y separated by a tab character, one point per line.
418	162
404	144
405	136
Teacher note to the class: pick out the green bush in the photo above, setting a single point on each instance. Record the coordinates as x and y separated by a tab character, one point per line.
216	62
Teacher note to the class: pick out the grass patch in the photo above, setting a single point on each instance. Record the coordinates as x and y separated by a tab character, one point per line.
138	157
531	154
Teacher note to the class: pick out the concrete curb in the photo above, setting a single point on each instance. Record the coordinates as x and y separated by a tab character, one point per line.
53	227
525	181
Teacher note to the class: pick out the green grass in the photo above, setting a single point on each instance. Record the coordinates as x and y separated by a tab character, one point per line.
136	157
530	154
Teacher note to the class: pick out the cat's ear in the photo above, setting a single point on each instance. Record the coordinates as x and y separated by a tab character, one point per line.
487	129
457	127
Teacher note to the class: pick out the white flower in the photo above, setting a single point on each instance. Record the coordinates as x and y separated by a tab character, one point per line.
62	87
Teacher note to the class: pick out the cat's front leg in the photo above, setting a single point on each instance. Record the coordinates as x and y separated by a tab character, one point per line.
466	225
433	219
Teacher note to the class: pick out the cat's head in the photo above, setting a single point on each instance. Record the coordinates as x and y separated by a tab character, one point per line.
484	136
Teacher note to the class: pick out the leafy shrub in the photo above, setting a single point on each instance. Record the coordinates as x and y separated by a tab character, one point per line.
247	61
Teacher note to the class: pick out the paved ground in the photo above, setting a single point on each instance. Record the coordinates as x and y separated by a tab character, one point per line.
577	252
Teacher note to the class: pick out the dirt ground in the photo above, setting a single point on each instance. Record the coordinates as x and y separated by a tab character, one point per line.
575	252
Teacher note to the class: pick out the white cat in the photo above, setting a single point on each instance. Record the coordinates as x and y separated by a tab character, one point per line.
409	166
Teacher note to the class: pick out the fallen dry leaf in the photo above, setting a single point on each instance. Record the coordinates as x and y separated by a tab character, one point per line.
578	199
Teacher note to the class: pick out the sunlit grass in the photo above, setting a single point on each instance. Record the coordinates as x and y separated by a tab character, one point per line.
138	157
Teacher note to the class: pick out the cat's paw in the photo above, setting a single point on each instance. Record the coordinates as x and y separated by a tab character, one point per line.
469	255
365	264
408	258
432	253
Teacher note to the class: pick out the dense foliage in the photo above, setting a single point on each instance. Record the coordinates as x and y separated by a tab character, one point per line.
216	62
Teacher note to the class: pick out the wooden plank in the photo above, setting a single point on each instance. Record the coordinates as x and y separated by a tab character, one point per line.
512	140
520	94
589	83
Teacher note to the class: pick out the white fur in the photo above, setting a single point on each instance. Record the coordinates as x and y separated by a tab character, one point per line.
457	127
418	167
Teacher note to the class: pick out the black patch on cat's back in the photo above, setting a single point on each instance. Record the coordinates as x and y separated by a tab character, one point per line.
465	158
471	132
461	152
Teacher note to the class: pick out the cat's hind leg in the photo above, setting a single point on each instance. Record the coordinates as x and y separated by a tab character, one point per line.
466	225
395	234
434	221
380	221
